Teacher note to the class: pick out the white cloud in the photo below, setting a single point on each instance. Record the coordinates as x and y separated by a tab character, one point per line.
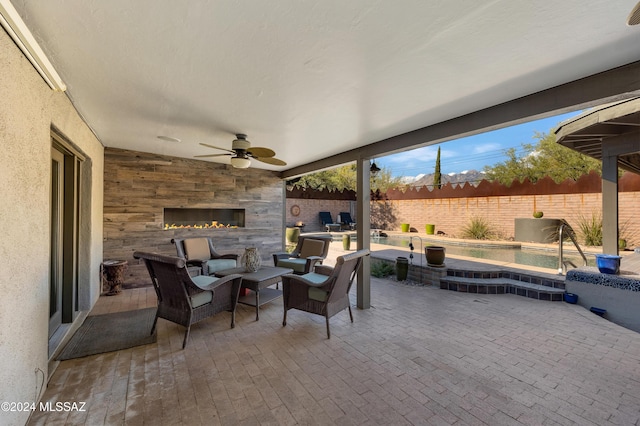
487	147
420	155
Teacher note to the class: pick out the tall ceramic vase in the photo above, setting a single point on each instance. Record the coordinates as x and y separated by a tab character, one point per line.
251	259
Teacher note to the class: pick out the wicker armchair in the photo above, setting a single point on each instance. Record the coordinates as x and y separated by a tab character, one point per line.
200	252
185	300
310	250
323	292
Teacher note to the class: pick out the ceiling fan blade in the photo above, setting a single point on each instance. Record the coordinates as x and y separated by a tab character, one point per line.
258	151
272	160
216	147
212	155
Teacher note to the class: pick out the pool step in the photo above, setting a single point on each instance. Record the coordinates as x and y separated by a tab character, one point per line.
500	282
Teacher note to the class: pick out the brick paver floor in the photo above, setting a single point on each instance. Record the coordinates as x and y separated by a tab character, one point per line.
420	355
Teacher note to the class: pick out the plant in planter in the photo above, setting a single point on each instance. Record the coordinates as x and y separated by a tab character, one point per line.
538	214
622	244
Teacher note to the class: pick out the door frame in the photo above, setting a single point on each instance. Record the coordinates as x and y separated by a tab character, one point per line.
71	221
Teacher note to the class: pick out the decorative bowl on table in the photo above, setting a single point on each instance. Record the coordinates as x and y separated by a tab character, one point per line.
608	263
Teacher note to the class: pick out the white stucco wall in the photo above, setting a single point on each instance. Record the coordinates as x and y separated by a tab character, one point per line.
621	304
28	109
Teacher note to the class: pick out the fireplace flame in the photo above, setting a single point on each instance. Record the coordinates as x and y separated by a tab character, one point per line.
214	225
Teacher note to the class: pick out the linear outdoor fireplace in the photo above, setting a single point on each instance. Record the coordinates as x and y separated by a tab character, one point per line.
203	218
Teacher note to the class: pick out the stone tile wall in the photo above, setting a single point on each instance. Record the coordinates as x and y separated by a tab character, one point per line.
138	186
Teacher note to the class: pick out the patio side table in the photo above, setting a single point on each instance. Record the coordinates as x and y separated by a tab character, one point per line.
258	282
113	275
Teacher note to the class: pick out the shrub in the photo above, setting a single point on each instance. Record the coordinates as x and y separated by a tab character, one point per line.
380	269
627	234
478	228
538	215
590	229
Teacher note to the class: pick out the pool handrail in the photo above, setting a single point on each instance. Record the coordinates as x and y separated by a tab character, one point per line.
562	264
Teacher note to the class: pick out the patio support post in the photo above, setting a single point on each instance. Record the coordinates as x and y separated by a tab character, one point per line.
363	219
609	202
284	215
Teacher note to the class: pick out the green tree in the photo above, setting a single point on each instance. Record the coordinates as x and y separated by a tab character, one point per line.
544	158
345	177
437	176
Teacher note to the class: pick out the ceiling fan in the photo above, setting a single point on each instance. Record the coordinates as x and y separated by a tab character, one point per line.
241	152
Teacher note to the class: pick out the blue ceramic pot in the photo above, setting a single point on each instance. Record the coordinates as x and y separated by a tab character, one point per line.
608	263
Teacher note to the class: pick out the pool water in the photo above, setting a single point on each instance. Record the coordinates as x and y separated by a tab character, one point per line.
516	255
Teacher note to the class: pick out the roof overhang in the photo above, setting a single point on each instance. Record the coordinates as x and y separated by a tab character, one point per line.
614	128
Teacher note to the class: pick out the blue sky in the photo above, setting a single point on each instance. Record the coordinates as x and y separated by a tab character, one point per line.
469	153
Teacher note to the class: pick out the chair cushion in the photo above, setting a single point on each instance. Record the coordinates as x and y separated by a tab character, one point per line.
313	292
297	265
196	249
220	264
203	280
311	247
317	294
315	278
201	299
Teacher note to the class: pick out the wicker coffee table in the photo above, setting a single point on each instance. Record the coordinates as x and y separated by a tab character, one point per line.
259	282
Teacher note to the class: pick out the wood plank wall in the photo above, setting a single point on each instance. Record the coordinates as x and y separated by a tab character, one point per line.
138	186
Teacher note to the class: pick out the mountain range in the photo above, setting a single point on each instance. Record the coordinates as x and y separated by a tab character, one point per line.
472	177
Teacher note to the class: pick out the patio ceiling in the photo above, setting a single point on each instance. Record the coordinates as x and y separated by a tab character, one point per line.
611	123
315	80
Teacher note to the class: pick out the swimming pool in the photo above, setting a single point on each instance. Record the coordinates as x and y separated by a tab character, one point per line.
520	256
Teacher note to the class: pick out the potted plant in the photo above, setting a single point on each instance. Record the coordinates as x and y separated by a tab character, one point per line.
622	244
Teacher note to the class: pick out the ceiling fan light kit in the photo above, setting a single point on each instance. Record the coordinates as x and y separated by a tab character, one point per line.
240	163
242	152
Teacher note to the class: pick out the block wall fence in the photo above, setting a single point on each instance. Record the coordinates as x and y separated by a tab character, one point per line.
450	209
